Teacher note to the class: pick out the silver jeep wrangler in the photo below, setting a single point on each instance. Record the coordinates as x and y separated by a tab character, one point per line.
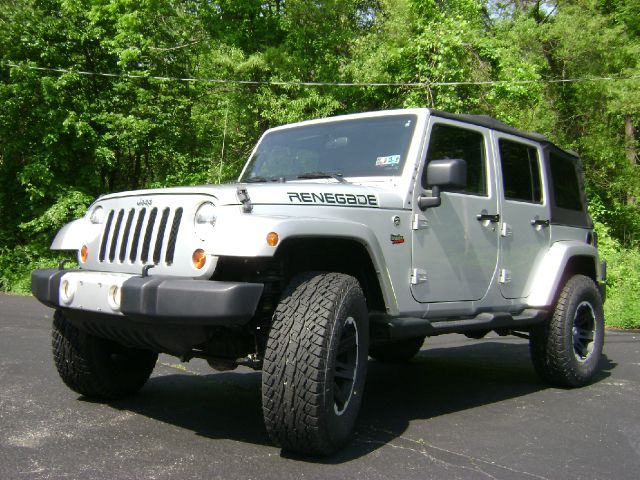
344	238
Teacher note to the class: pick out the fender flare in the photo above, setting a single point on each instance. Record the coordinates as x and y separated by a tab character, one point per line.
550	271
250	233
75	234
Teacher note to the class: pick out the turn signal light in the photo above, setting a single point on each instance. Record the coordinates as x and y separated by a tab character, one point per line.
272	239
84	254
199	258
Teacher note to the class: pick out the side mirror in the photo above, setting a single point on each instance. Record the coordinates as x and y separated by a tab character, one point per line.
443	173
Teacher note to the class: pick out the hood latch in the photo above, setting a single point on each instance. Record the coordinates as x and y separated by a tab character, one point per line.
243	198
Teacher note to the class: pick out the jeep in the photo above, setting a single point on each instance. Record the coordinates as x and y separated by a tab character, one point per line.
344	238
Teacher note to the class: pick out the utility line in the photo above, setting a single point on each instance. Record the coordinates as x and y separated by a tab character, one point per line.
325	84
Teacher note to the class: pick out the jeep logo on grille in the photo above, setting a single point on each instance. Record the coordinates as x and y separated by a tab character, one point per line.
144	202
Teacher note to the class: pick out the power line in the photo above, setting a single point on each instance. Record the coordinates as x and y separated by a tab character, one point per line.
325	84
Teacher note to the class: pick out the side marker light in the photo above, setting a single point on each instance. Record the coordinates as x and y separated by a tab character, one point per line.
272	239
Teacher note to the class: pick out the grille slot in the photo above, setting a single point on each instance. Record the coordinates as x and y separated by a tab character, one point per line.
105	236
136	236
160	237
125	236
115	235
173	235
140	234
147	236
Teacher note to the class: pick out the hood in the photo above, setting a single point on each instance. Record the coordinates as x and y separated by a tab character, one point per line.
289	193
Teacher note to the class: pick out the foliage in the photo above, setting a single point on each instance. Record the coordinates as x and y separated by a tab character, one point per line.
622	308
66	137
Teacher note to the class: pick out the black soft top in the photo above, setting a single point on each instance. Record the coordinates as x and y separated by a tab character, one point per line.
490	122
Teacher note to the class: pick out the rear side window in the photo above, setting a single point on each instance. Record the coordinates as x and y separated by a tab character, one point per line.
448	142
520	172
564	181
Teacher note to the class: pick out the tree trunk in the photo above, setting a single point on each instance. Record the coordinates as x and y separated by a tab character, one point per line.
630	143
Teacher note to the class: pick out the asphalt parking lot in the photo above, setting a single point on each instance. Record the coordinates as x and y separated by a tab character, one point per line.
462	409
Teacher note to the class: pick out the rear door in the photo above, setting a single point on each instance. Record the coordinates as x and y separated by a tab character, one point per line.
454	253
524	227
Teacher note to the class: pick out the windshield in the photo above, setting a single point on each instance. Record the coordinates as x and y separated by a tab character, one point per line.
364	147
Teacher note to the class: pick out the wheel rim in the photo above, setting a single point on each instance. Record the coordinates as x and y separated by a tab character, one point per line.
584	331
344	374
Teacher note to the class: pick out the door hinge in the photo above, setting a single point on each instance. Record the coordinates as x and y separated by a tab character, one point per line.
506	230
419	222
418	276
505	276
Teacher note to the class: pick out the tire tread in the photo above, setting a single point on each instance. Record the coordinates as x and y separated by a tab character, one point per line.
80	360
552	359
294	368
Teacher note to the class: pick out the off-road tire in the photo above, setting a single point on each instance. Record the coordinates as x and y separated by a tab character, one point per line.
566	350
399	351
96	367
319	337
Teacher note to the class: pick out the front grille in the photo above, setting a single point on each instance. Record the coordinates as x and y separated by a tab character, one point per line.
146	243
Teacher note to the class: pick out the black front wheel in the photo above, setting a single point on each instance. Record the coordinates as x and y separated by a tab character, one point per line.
566	350
96	367
315	363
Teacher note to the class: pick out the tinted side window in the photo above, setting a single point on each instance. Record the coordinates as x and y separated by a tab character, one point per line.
454	142
564	180
520	172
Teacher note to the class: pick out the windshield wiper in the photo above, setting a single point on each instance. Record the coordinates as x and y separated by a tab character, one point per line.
334	175
265	179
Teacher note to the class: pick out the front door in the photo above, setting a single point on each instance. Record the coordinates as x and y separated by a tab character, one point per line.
525	213
455	245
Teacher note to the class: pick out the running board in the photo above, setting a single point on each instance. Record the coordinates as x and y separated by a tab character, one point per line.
384	327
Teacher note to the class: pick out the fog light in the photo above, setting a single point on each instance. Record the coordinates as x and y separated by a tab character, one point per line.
199	258
66	291
84	254
115	296
272	239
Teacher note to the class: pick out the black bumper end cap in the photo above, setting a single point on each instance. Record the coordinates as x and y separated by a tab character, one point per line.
45	285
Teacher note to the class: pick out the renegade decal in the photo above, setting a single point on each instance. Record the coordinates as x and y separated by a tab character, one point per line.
349	199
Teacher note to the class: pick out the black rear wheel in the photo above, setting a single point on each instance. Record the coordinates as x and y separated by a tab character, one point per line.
567	349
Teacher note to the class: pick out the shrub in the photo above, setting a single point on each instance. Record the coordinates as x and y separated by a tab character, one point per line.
622	308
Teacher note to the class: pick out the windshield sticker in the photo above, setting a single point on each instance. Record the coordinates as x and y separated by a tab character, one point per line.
389	161
347	199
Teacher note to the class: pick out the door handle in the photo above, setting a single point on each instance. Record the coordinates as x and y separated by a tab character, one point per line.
493	218
539	222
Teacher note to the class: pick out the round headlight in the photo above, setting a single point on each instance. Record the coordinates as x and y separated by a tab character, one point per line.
205	220
97	215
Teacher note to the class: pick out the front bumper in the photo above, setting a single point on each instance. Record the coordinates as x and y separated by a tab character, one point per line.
151	299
